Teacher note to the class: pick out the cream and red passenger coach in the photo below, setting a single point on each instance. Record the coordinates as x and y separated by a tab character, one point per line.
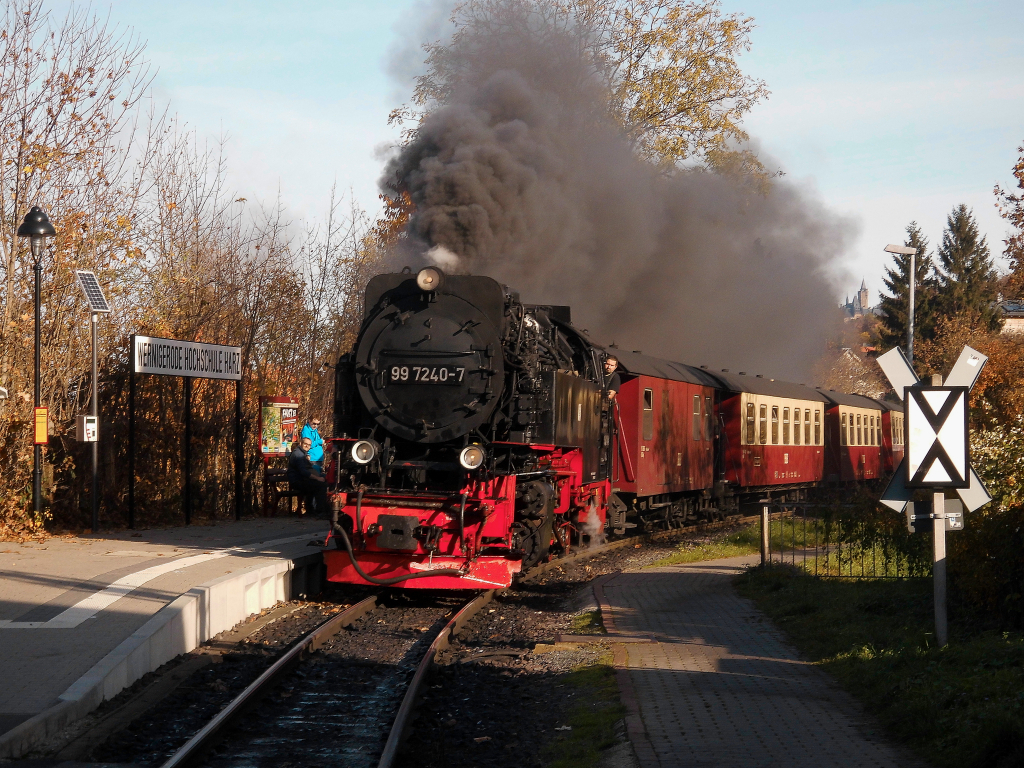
855	438
773	432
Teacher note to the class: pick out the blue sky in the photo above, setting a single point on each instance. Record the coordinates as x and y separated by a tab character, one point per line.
889	112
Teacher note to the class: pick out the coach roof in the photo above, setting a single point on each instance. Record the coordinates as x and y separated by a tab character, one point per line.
852	401
756	385
645	365
889	405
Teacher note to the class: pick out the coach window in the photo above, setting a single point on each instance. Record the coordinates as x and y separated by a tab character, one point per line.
751	424
853	435
807	426
696	417
764	424
860	440
648	414
872	430
878	430
842	430
796	426
709	417
785	426
817	427
775	425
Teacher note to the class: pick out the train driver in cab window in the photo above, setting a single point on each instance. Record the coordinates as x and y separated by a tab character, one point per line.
612	379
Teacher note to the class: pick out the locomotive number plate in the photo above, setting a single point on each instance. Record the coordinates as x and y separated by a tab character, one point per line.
425	374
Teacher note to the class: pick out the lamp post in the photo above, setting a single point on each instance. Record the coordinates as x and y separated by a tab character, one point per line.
97	305
37	228
911	280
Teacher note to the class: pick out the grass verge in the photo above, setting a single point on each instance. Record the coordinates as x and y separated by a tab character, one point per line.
962	705
727	543
733	542
592	721
588	623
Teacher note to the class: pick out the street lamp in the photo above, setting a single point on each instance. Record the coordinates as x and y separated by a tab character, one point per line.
911	279
37	228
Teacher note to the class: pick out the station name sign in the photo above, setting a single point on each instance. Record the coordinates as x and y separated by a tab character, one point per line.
171	357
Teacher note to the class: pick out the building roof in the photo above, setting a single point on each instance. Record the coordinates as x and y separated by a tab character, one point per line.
1012	308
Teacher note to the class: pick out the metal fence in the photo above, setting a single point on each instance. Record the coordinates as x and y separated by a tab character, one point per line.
843	541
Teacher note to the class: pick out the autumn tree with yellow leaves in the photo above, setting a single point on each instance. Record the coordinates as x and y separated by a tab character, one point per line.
669	69
145	205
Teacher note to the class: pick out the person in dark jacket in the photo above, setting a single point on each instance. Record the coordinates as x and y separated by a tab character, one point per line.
612	379
303	477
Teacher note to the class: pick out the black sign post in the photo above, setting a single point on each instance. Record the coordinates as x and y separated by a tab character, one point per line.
188	360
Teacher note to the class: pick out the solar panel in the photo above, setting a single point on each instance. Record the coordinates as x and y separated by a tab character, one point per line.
93	292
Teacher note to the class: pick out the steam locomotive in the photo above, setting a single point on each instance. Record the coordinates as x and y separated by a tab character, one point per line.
476	437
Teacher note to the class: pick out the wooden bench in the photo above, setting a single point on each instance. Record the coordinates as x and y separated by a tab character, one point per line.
275	488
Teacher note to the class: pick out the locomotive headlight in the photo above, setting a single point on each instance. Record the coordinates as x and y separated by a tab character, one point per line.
363	451
429	278
471	457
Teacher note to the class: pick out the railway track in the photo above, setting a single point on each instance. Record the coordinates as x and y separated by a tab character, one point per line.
331	695
334	693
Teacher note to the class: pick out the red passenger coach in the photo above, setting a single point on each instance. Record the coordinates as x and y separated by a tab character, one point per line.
773	432
892	435
855	438
666	428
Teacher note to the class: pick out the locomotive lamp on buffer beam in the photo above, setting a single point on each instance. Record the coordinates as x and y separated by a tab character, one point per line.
471	457
364	451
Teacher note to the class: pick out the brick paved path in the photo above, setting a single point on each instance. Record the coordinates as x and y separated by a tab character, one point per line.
720	687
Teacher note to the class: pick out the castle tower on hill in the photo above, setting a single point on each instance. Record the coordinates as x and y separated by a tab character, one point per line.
859	306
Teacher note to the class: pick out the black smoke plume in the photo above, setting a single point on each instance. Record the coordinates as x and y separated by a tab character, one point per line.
522	175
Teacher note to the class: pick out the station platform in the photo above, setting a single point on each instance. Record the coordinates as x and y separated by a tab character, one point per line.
83	617
708	681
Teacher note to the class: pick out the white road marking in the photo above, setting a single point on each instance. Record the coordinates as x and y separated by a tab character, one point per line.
88	607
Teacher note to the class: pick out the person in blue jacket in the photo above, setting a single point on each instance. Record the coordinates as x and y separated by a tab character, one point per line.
316	450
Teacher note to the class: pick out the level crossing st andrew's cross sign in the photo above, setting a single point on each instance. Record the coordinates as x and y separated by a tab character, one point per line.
937	456
937	439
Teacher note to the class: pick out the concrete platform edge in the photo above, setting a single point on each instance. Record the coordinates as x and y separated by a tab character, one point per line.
179	627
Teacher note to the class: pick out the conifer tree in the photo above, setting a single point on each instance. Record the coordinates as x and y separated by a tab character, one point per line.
893	328
965	273
1011	208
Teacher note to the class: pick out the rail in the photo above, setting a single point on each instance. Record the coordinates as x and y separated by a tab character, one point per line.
197	745
403	718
